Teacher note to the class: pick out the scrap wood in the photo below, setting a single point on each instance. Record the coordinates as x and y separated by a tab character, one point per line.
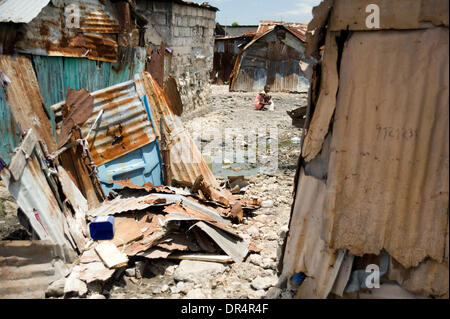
155	253
121	205
253	249
237	213
178	241
149	187
110	255
201	257
77	110
126	230
145	243
180	212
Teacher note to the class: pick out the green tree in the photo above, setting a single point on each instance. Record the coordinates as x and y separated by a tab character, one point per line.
235	24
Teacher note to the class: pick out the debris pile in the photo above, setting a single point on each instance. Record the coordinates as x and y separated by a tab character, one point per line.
69	194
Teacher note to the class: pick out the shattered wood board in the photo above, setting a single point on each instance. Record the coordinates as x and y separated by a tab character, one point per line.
388	178
398	14
155	253
126	230
305	250
326	103
79	204
24	98
110	255
202	257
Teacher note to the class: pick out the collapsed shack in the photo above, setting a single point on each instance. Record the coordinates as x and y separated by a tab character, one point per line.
152	220
81	120
373	177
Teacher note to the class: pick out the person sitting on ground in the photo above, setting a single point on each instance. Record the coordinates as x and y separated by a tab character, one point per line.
262	99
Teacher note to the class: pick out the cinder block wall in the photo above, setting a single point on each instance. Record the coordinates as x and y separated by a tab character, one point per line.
189	32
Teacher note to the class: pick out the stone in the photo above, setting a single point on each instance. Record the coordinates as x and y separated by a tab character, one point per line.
130	272
140	269
273	293
268	263
253	231
255	259
283	231
10	208
263	282
198	271
195	294
56	288
164	288
271	235
258	294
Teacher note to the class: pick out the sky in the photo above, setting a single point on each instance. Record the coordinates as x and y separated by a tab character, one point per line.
249	12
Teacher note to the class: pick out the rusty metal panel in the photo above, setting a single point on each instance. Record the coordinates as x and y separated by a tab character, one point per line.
37	201
28	267
305	250
273	60
123	127
20	11
186	161
24	99
388	177
95	37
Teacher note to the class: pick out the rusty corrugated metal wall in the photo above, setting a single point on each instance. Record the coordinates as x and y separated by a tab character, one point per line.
383	103
273	59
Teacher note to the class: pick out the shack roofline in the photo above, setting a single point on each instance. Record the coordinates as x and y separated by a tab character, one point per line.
203	5
259	36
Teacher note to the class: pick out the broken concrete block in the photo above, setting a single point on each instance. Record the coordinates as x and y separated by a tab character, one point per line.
267	204
195	294
56	288
198	271
263	282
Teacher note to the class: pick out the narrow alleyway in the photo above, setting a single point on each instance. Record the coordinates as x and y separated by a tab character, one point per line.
256	276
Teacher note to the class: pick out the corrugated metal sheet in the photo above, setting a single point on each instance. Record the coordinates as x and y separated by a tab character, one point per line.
20	11
186	161
399	14
50	33
267	59
24	99
297	28
305	250
429	278
55	74
123	127
28	267
37	201
388	180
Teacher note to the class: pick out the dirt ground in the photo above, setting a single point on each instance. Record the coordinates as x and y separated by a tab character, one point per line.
256	277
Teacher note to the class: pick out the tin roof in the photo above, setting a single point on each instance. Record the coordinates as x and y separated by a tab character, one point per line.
122	128
20	11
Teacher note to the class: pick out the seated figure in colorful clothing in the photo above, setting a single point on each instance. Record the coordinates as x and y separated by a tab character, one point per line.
262	99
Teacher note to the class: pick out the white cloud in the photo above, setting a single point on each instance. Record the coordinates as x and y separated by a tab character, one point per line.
301	8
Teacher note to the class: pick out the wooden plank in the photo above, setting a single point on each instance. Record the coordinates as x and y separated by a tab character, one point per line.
110	255
202	257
